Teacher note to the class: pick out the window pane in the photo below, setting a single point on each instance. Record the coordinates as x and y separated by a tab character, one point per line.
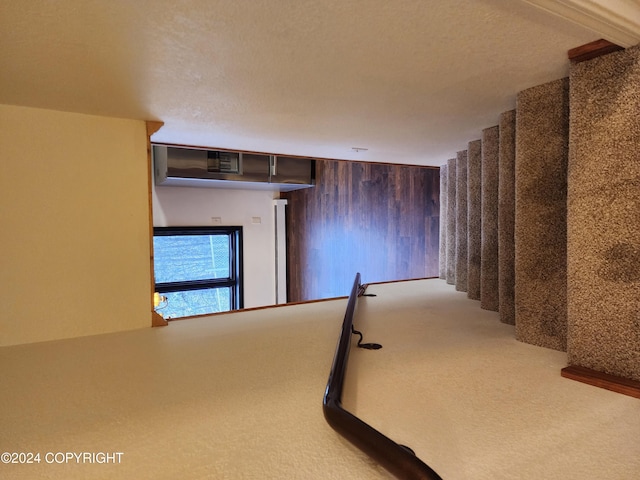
196	302
190	257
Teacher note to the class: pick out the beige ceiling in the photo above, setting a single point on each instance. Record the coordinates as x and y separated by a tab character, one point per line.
411	80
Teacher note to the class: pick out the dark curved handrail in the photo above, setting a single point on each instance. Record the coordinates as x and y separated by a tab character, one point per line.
395	458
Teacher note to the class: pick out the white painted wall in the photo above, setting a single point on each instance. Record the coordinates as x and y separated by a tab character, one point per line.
192	206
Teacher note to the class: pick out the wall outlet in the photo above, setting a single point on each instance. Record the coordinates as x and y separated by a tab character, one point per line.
216	220
256	219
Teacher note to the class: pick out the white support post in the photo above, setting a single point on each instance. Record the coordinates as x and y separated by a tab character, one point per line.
281	251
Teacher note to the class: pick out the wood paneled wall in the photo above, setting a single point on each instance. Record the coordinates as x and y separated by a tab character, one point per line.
380	220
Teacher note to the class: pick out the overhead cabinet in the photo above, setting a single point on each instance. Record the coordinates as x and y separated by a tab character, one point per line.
174	166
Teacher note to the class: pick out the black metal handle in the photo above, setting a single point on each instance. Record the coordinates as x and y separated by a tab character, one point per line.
395	458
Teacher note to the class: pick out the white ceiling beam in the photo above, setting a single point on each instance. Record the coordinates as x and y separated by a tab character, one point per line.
618	21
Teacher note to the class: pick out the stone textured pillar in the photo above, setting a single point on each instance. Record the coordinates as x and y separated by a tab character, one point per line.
442	261
506	218
489	299
542	136
461	221
604	215
474	218
451	221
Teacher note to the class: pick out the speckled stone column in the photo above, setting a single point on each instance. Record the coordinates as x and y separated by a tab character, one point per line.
442	261
461	221
474	218
604	215
489	299
451	221
542	138
506	218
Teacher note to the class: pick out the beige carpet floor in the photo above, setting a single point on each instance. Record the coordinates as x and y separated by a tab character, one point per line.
239	397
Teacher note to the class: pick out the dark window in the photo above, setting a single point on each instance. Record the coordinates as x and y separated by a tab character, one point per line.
198	269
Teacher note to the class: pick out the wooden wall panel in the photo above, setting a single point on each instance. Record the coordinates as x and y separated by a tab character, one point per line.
380	220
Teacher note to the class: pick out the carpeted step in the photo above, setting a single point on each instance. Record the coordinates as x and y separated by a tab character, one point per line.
604	215
442	259
451	221
542	121
474	218
461	221
489	299
506	217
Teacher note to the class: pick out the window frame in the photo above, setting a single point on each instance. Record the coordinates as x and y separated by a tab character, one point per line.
235	279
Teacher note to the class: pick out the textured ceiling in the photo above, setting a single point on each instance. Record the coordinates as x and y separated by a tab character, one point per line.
411	80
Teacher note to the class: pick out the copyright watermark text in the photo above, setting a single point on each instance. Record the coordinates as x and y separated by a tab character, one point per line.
61	457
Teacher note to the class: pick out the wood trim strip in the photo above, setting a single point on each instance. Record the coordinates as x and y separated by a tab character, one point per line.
158	320
602	380
592	50
152	127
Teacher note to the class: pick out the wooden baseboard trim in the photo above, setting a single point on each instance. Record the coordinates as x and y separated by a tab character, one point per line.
592	50
602	380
